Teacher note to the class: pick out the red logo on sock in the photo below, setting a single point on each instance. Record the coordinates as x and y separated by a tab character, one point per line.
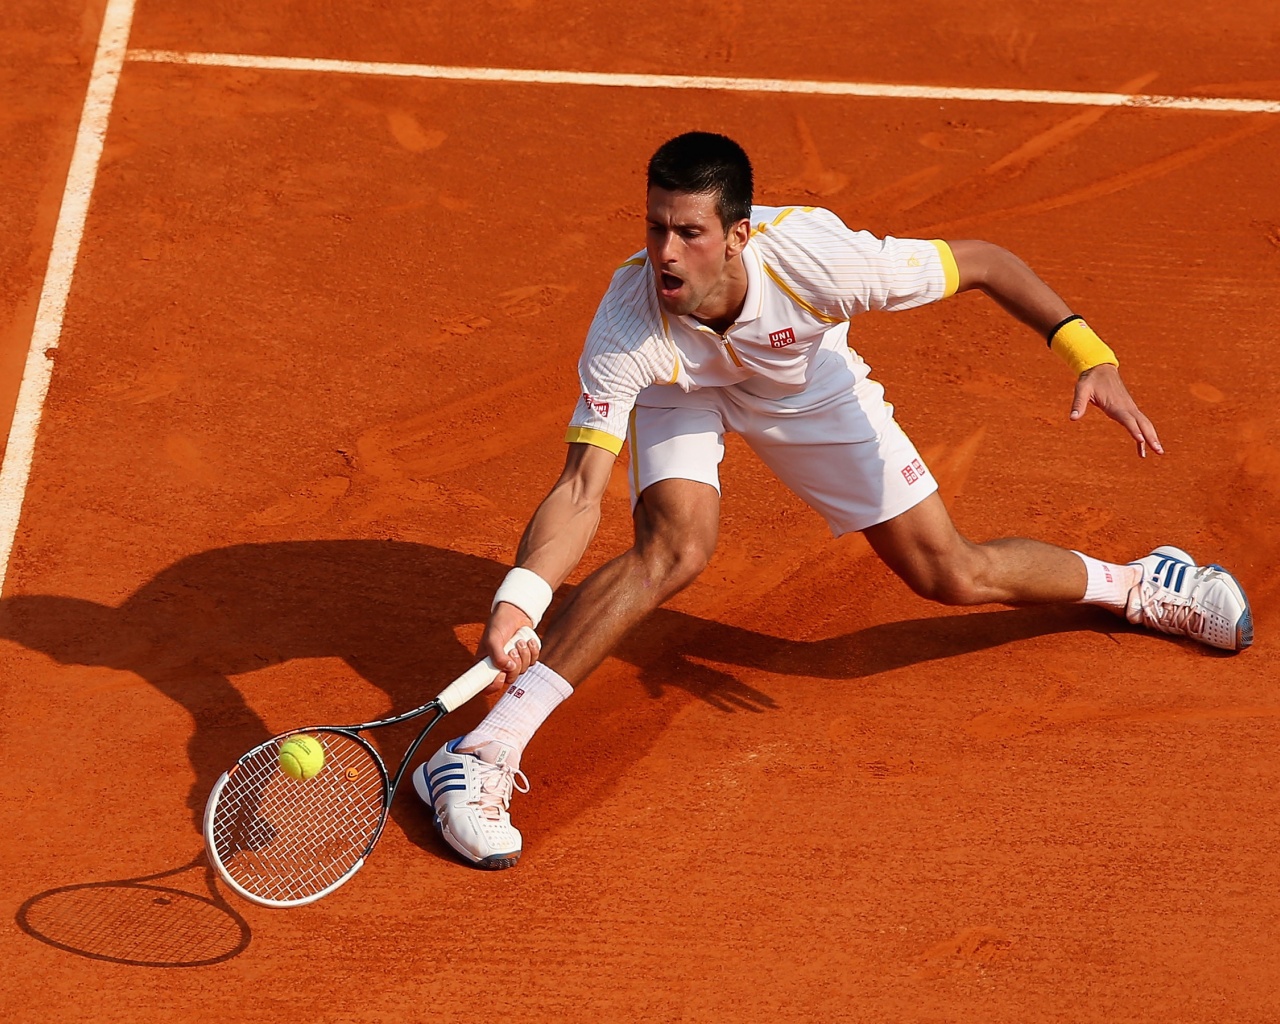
515	691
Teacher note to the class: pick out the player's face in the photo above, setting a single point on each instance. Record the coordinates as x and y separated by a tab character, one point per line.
693	257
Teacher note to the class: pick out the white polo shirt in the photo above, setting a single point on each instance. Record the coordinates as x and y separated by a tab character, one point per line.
807	275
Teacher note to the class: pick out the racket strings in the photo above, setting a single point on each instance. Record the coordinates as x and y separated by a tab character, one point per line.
284	839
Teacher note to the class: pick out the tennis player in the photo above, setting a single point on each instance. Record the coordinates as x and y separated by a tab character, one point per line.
736	318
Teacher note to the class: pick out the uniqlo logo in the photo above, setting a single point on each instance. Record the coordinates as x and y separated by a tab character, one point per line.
782	338
601	407
913	472
516	691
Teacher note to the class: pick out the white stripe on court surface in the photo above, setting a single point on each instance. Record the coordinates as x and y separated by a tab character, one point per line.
714	84
113	43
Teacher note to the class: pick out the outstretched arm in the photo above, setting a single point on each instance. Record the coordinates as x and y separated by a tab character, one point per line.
1015	286
553	543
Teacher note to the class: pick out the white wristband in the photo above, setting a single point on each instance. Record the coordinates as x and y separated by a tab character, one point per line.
528	591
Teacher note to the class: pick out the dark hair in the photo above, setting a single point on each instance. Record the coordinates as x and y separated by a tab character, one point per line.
702	163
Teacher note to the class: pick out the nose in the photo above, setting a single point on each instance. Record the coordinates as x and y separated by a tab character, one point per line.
667	247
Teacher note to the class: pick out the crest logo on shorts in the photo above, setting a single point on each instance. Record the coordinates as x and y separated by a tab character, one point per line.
782	338
601	407
914	471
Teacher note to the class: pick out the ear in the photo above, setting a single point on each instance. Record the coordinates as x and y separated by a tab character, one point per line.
736	238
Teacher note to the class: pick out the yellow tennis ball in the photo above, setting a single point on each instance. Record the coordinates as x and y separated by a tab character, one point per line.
301	757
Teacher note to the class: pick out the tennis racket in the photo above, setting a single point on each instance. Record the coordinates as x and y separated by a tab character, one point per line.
283	842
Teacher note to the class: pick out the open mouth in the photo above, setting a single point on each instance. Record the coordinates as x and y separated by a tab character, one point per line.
669	284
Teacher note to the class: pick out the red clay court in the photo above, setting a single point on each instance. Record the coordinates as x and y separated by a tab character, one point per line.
313	374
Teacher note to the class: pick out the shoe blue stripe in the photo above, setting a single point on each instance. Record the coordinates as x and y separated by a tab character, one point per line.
1181	576
445	789
436	785
454	766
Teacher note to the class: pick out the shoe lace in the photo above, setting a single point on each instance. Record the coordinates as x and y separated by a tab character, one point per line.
1176	615
496	784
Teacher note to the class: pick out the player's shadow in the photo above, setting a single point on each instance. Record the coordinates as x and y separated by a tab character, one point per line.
389	610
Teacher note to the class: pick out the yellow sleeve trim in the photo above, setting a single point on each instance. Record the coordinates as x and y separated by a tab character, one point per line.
763	225
809	308
949	267
636	261
589	435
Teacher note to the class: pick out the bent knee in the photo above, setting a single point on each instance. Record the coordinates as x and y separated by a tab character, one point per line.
673	559
954	581
953	589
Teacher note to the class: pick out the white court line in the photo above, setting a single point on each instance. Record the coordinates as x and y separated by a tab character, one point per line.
113	43
715	84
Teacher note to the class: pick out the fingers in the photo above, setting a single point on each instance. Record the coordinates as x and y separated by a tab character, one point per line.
1140	429
1081	403
1107	391
503	624
1149	438
524	654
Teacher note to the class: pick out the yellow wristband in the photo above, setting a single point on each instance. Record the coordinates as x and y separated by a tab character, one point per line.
1075	341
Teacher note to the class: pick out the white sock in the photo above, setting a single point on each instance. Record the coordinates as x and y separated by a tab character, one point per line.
1108	584
516	717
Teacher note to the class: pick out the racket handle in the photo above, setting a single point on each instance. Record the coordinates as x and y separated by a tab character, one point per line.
478	676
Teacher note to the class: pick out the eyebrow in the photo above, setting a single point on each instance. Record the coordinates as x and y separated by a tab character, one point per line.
680	224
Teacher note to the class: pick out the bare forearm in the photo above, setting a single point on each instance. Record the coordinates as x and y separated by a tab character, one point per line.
558	534
553	543
1010	283
1018	289
564	524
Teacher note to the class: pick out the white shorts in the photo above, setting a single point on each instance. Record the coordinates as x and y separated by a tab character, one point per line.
835	444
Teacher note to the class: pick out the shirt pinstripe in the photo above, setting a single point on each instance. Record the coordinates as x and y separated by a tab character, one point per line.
807	275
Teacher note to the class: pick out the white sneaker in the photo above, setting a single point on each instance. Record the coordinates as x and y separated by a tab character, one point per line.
1203	602
469	797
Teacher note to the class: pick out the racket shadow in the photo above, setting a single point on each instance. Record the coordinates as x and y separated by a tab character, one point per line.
140	922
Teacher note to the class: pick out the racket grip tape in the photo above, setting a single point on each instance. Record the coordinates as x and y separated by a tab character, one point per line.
478	676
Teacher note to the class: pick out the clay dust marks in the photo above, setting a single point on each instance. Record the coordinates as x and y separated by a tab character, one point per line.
108	63
1050	714
415	448
952	466
743	581
400	463
397	465
149	386
1116	183
1245	505
823	573
183	453
1045	142
410	135
815	178
973	945
1206	392
905	192
1013	164
1267	85
312	501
